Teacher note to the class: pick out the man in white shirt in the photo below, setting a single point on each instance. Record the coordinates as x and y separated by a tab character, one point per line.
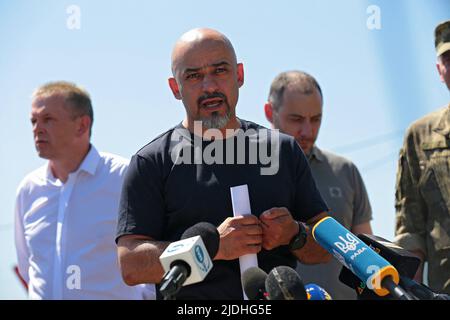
66	211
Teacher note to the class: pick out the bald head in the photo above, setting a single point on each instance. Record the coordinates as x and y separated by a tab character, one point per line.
206	78
200	38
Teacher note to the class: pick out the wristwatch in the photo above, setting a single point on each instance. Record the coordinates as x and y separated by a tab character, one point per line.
299	240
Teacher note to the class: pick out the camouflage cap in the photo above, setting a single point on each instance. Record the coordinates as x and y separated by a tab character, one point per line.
442	37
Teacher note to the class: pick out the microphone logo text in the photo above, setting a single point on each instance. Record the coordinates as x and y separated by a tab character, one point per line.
175	247
200	259
347	244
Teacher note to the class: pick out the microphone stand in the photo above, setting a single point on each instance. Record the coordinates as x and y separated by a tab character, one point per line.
172	282
395	290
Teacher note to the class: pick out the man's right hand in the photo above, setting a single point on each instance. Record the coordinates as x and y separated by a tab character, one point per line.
239	236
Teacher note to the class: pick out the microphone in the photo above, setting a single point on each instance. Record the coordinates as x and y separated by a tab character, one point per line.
284	283
315	292
404	261
377	273
254	281
189	260
421	291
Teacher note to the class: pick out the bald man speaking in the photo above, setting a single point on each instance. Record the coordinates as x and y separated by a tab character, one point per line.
184	177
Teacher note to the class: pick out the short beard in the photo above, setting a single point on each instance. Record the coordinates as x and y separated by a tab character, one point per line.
216	121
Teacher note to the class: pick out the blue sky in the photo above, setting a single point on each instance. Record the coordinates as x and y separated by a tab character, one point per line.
375	82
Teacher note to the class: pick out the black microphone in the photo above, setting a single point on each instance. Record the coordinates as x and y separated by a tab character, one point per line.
189	260
404	261
254	283
209	234
421	291
284	283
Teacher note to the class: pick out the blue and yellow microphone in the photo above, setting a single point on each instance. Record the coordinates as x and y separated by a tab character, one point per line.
379	275
315	292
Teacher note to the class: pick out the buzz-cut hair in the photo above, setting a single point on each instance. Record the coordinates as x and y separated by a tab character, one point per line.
76	98
301	81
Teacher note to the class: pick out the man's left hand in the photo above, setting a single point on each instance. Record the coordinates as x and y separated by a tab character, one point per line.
278	227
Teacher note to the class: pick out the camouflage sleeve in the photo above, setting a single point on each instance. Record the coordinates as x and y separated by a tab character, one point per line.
410	229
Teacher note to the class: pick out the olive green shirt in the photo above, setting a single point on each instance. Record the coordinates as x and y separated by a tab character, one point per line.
423	195
342	188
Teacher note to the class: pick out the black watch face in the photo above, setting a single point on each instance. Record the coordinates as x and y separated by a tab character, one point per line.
296	243
299	240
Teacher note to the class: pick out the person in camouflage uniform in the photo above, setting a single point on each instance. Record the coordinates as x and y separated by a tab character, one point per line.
423	183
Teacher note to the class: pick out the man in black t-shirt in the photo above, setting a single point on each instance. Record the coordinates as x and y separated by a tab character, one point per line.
184	177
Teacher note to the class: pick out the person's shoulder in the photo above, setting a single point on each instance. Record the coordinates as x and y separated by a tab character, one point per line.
159	143
34	178
283	138
337	159
427	122
423	133
113	161
246	125
339	163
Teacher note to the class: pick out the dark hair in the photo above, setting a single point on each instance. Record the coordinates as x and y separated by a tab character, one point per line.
304	82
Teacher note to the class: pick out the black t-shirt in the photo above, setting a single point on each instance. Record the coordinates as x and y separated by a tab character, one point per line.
162	197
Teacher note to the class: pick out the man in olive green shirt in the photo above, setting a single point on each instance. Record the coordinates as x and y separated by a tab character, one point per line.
295	107
423	183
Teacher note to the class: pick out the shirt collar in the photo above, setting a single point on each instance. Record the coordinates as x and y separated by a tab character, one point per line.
88	165
316	153
444	124
90	162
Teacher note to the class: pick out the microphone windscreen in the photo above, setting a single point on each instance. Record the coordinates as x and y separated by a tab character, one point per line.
284	283
209	235
316	292
254	282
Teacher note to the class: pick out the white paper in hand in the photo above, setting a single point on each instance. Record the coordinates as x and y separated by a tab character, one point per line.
241	207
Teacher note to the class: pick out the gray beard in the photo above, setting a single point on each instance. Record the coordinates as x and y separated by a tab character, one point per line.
216	121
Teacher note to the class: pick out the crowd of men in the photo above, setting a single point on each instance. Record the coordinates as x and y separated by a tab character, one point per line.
92	225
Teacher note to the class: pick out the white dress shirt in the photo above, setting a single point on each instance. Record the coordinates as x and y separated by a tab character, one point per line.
64	232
